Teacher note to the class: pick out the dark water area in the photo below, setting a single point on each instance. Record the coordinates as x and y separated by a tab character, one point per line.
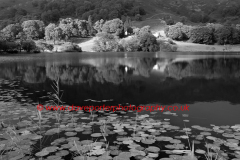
208	83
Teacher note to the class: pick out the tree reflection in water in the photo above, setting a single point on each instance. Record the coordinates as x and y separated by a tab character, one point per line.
135	80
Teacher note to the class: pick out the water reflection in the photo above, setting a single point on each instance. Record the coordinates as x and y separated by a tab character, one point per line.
134	80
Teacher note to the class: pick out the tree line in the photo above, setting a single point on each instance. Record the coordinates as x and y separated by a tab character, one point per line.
15	37
209	34
52	11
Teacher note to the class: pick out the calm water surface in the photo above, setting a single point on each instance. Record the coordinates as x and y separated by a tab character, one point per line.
209	84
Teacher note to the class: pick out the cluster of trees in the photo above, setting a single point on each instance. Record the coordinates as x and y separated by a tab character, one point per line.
209	34
20	34
101	9
16	37
52	11
110	37
68	28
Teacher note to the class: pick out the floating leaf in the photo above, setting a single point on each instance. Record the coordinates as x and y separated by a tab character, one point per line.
96	135
153	149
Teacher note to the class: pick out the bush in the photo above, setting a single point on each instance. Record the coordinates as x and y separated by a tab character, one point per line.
10	47
202	35
235	36
114	26
223	35
69	47
178	32
106	42
186	30
44	46
29	46
167	46
140	32
148	43
130	45
226	35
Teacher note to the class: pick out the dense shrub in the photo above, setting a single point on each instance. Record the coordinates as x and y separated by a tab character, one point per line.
235	36
178	32
227	35
11	31
114	26
186	31
142	40
10	47
29	46
148	43
69	47
209	34
106	42
202	35
167	45
44	46
129	44
34	29
140	32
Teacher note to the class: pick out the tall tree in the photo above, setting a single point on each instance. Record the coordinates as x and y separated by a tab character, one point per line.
34	29
90	25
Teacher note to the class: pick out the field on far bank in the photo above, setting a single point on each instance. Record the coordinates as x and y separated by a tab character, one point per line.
87	46
155	24
193	47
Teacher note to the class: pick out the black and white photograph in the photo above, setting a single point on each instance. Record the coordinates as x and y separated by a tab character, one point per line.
119	79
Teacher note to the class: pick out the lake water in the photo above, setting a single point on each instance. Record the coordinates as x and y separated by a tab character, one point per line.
208	83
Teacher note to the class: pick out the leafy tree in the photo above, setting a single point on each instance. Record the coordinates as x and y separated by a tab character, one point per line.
58	34
11	31
49	30
148	43
113	14
51	16
106	42
52	32
114	26
178	31
138	10
34	29
22	37
127	24
202	35
67	26
83	28
90	25
99	25
143	40
223	35
130	45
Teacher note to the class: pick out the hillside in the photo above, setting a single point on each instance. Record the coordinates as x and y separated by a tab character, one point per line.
197	11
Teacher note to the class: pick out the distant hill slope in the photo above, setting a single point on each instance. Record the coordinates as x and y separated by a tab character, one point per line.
197	11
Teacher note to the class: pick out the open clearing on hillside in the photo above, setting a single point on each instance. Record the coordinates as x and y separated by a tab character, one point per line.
182	46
